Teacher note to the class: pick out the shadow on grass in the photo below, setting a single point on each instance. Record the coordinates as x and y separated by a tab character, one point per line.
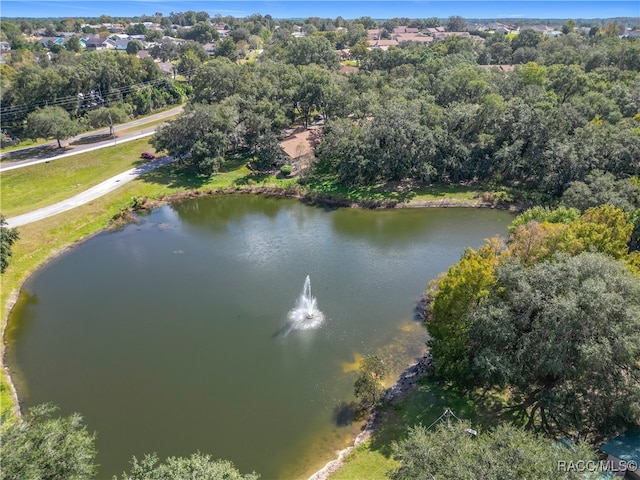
89	139
175	176
424	406
387	192
39	152
251	179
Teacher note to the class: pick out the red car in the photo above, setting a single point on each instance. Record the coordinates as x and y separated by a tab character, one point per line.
147	155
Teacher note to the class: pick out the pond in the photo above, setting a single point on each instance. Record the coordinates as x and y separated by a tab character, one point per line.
172	335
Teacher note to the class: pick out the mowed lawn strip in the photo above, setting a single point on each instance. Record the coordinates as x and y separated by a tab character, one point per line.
29	188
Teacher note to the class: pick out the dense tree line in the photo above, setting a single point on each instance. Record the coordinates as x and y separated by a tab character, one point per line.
82	83
539	127
553	317
430	113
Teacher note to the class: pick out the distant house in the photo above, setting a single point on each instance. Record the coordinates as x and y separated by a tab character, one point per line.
39	55
405	29
166	68
373	34
100	44
537	28
143	54
299	147
623	451
344	54
122	44
48	42
434	30
443	35
413	37
384	44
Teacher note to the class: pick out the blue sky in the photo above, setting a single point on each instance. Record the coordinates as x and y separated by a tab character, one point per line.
331	9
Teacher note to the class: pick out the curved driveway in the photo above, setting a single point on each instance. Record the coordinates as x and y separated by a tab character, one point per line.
88	195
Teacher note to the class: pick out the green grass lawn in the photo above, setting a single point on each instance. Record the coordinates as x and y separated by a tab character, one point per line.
374	459
394	191
26	189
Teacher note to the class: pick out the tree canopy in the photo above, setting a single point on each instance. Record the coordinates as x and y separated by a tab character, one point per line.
564	335
506	452
196	467
52	122
44	447
8	236
553	317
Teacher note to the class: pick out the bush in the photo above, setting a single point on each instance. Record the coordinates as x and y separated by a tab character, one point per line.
286	170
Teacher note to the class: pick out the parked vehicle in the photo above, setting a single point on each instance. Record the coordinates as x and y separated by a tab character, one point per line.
147	155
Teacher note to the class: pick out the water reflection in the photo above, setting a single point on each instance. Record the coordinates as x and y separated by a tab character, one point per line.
219	211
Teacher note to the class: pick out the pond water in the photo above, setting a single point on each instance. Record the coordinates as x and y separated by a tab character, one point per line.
173	335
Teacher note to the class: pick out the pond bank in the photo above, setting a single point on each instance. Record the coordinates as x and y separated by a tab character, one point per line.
332	201
405	384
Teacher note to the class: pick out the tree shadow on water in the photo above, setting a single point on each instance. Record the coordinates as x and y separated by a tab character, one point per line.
344	413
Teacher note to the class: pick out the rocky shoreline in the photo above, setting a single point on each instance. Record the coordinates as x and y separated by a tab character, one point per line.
405	384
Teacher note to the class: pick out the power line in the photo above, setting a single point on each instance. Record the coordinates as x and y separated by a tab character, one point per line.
17	113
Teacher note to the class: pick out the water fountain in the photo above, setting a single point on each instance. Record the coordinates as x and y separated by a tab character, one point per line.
305	315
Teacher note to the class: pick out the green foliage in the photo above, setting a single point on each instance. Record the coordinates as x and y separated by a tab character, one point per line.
368	387
73	44
195	467
539	233
52	122
306	51
601	188
107	117
42	447
453	297
506	452
204	134
286	169
227	48
456	24
545	214
564	336
8	236
134	46
603	229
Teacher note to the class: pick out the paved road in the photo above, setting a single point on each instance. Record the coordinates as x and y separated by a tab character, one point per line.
8	164
88	195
